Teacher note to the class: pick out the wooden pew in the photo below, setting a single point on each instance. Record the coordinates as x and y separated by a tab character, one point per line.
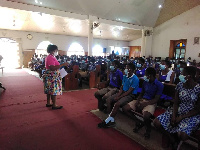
71	79
94	77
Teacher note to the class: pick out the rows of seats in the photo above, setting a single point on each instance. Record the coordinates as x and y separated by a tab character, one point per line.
169	90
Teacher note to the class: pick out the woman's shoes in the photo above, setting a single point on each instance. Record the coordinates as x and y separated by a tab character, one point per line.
49	105
138	127
57	107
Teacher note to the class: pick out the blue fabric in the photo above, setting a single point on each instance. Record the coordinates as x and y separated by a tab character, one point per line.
188	99
152	89
133	82
162	78
140	73
115	78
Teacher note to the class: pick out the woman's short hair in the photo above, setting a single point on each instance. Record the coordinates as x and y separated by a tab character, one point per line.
151	71
131	66
51	48
190	70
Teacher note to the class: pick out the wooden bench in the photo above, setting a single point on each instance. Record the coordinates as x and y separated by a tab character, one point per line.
94	77
71	79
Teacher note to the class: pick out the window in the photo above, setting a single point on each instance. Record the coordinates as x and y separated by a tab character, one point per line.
75	49
97	50
118	51
180	51
42	48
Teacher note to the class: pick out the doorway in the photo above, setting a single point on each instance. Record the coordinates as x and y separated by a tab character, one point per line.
10	53
177	49
134	51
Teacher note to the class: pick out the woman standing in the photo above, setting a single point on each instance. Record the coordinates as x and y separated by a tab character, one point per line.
52	79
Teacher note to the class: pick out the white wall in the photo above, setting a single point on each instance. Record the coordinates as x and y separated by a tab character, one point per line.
62	41
184	26
137	42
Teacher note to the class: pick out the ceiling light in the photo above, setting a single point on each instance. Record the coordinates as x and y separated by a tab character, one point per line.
43	20
41	3
160	6
115	33
36	1
75	25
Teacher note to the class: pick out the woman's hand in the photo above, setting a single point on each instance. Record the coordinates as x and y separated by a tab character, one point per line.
65	64
173	121
178	119
116	98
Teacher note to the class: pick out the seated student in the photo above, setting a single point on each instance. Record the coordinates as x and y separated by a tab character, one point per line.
178	70
140	68
115	81
179	122
126	94
146	102
166	75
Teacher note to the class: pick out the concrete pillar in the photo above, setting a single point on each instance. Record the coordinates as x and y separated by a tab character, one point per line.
143	44
21	56
90	37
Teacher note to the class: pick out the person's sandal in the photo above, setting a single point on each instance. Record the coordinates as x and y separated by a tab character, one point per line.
138	127
57	107
49	105
147	136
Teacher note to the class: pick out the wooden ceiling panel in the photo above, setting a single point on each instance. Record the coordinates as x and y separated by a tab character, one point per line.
173	8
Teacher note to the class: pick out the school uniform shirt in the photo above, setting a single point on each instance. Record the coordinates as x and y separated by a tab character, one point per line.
129	82
116	78
152	89
140	73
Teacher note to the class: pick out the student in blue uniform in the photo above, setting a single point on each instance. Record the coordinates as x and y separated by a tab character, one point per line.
127	93
146	102
140	68
114	84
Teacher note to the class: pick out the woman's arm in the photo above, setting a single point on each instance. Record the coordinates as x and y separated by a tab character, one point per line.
53	68
194	111
175	108
172	77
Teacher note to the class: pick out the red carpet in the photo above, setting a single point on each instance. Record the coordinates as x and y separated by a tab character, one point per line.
26	124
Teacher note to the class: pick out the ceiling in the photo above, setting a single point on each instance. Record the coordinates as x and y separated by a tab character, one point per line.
40	22
129	12
172	8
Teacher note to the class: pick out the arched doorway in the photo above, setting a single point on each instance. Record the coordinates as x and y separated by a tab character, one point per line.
75	49
10	53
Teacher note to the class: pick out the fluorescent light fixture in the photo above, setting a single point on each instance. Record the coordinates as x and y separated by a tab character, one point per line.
75	25
43	20
36	1
160	6
41	3
115	33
